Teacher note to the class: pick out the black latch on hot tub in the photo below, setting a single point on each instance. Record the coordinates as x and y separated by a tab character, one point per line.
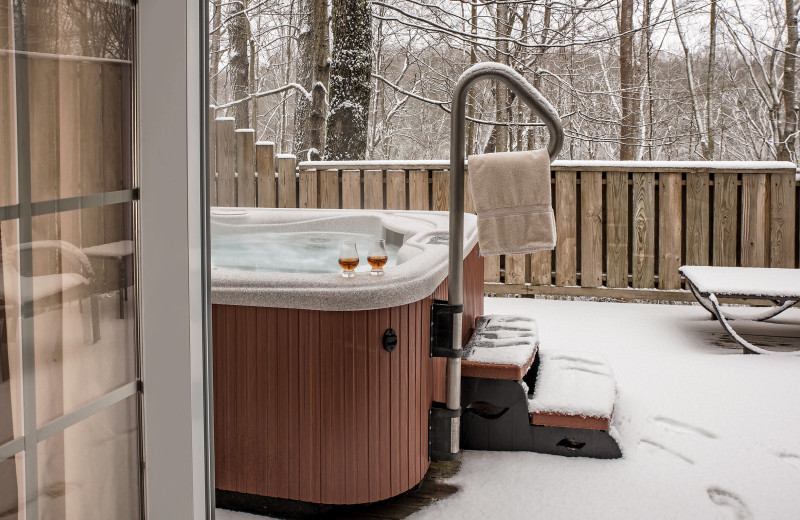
442	329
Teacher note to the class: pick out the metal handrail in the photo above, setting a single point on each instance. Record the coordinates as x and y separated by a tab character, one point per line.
542	108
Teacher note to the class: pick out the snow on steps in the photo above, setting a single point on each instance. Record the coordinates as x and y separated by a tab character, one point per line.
502	347
573	390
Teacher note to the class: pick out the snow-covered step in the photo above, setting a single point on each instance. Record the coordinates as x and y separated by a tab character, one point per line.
502	347
573	390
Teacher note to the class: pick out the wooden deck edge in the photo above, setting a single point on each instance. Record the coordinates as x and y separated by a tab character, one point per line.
622	294
570	421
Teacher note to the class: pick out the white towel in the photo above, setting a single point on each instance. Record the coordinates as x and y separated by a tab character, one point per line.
511	194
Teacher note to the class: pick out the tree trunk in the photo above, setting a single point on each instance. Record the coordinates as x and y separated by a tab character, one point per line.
708	151
239	66
350	81
788	132
473	59
627	83
502	30
313	72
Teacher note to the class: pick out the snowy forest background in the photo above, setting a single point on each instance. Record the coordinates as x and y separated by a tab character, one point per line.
632	79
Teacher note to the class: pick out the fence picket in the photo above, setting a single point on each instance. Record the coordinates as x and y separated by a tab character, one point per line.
245	168
373	189
307	189
755	220
441	192
697	218
669	231
591	229
782	220
265	168
226	162
725	219
328	189
419	190
566	236
617	229
287	181
395	189
644	208
351	189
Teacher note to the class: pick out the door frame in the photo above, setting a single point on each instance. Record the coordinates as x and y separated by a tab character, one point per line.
174	260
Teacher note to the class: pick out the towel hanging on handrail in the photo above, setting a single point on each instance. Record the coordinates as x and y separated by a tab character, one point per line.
511	195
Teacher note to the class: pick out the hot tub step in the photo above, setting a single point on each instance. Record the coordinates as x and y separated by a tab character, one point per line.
502	347
563	405
573	390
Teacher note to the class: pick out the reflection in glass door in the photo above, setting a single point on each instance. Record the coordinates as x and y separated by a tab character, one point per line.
70	390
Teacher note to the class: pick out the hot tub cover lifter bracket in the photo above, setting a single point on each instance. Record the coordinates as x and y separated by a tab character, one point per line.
442	329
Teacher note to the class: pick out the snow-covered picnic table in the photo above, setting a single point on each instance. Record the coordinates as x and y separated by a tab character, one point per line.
708	283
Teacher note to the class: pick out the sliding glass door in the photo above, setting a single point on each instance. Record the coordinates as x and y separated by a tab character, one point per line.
70	378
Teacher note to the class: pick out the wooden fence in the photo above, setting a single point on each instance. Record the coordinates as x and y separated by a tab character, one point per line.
624	228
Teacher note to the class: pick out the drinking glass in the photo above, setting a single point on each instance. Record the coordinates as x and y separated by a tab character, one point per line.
377	257
348	258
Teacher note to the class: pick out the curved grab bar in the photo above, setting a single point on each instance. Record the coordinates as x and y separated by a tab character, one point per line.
542	108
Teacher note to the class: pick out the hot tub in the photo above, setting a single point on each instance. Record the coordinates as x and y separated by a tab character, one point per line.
309	405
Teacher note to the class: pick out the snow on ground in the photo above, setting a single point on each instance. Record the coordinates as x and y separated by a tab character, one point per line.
706	432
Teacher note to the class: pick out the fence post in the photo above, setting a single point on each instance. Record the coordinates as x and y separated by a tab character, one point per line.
245	167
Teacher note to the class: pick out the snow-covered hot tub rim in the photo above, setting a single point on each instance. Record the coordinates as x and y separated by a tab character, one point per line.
422	260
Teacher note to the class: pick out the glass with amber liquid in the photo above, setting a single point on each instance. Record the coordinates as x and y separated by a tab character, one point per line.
377	257
348	259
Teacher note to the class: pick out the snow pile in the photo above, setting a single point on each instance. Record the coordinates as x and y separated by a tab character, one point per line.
573	383
503	340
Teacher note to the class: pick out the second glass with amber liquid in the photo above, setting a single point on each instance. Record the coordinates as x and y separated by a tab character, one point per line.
377	257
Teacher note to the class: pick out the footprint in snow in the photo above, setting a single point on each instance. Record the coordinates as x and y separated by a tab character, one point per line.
790	458
683	428
653	444
731	503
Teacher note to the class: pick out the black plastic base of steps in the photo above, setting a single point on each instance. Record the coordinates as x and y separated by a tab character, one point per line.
495	418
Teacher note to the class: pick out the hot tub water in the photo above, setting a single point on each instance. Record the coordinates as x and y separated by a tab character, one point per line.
298	252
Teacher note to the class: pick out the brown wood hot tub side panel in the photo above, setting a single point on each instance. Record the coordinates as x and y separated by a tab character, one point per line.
314	409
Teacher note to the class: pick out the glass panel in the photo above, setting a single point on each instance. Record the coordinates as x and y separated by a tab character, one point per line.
12	488
80	115
91	470
84	313
10	383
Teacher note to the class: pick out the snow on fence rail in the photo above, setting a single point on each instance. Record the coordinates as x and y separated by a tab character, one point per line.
624	228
